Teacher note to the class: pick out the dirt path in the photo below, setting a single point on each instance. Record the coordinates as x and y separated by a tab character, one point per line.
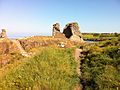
77	59
22	51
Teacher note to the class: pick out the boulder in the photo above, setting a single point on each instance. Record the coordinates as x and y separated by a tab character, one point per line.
72	32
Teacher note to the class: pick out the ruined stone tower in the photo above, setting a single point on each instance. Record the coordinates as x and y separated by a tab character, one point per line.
3	34
56	31
72	32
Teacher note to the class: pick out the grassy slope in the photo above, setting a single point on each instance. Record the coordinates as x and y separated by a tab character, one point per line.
51	69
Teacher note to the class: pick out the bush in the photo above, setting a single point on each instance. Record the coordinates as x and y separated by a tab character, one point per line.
100	67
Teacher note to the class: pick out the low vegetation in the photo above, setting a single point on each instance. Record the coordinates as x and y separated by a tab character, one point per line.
101	66
100	36
50	69
54	68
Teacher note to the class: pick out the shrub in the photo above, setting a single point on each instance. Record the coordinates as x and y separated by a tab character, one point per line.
100	67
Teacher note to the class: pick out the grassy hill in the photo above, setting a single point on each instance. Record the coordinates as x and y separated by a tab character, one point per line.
51	69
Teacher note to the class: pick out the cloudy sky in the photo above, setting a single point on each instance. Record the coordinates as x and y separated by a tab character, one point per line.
36	17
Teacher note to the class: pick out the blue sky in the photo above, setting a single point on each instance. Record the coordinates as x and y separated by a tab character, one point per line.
36	17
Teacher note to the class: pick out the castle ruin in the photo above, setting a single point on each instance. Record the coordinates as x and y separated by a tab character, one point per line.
71	31
56	31
3	34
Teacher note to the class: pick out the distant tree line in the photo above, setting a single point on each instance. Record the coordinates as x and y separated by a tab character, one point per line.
103	34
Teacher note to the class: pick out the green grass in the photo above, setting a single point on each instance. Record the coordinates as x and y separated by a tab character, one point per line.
51	69
100	67
88	36
100	36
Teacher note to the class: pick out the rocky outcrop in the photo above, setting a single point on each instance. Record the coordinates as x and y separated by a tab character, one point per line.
3	34
72	32
20	48
11	46
4	47
7	46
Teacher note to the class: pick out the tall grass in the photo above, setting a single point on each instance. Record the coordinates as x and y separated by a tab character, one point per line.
51	69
